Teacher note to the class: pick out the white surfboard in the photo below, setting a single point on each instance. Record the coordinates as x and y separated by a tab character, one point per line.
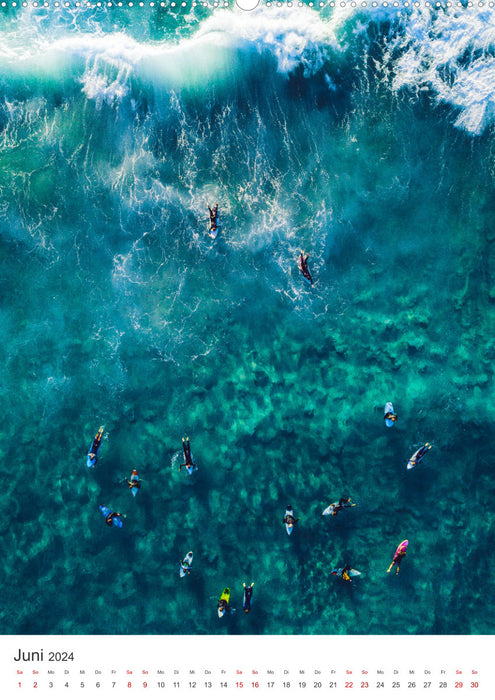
186	564
289	527
413	461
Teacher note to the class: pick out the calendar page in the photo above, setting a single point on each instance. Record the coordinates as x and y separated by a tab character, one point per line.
247	272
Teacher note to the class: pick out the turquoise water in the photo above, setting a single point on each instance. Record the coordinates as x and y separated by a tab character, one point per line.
314	130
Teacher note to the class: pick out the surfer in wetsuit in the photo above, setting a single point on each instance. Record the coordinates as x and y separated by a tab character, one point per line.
186	568
96	445
399	556
343	503
390	416
303	266
342	573
290	519
186	446
223	605
248	594
136	483
213	217
345	575
418	456
110	517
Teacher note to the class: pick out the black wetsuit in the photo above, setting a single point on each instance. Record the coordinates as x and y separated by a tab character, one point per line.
422	452
186	445
248	594
343	503
213	217
96	444
110	517
303	266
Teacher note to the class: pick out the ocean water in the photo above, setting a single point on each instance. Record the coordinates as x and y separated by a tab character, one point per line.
365	137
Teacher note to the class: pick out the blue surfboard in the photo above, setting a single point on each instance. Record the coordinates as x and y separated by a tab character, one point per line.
116	521
91	461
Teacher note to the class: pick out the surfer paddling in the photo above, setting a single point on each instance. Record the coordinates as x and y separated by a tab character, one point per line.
303	266
390	416
134	482
289	519
95	448
418	455
188	464
213	220
248	594
399	555
334	508
343	573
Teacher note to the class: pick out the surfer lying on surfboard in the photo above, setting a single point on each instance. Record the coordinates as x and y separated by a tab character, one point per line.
213	217
186	564
288	518
343	573
399	555
109	518
134	482
334	508
418	455
95	448
303	266
248	594
188	464
223	604
390	416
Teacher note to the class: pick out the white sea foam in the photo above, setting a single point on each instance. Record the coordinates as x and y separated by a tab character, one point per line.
451	52
294	36
447	50
100	86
